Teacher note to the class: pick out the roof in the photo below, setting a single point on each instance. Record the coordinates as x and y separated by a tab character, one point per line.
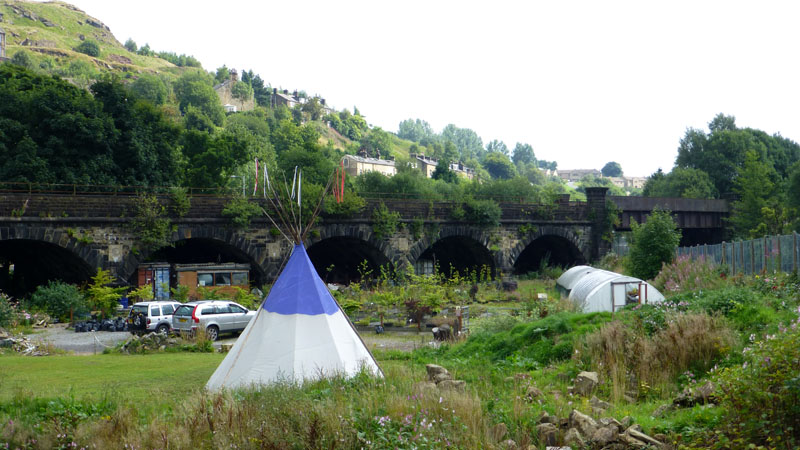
385	162
299	289
211	266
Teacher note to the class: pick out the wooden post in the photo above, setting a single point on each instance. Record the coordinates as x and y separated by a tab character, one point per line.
753	255
780	254
766	256
723	252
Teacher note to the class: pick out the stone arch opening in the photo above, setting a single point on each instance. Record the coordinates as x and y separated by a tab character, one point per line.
548	250
206	250
26	264
455	253
344	259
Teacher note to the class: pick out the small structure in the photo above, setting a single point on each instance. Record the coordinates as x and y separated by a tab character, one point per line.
282	98
2	44
233	103
428	165
356	165
595	290
225	277
155	275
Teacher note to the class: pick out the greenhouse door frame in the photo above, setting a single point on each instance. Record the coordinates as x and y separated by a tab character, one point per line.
626	283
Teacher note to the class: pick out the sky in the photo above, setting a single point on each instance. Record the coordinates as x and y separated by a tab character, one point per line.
583	82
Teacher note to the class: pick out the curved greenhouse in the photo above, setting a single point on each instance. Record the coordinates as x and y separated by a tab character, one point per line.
600	290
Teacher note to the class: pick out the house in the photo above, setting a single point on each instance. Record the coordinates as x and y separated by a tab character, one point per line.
2	44
225	92
428	165
356	165
578	174
282	98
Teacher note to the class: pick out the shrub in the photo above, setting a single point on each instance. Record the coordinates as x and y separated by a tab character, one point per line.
482	212
350	205
761	398
685	274
101	296
149	223
58	299
241	211
384	222
652	244
6	311
88	48
180	203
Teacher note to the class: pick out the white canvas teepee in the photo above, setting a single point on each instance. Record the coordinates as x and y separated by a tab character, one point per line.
300	332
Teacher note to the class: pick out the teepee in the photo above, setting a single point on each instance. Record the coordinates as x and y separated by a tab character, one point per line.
300	332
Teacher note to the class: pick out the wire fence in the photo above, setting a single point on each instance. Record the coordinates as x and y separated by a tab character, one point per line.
765	254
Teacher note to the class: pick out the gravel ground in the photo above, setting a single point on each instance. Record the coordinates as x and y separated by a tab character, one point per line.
94	342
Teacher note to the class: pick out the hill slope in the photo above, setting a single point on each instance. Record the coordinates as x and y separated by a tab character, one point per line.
52	31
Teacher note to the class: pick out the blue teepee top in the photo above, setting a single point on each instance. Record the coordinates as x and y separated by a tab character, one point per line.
299	290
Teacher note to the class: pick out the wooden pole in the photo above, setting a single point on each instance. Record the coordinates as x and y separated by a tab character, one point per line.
753	255
723	252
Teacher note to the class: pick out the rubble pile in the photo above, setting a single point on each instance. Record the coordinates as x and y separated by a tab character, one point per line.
22	345
147	343
439	379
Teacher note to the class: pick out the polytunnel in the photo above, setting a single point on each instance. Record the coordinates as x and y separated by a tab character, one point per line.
594	290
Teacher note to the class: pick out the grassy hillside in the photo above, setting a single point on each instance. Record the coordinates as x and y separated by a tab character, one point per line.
52	31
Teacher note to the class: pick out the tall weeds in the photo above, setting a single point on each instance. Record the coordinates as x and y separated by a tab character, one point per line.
632	360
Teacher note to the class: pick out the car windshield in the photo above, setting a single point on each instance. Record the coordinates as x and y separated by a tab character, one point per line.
184	310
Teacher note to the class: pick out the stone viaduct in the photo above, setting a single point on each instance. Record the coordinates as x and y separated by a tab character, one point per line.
68	236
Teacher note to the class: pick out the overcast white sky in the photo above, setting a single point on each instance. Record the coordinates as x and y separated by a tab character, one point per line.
583	82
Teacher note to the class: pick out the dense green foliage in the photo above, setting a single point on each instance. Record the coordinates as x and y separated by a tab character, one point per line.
652	244
686	183
89	48
612	169
59	300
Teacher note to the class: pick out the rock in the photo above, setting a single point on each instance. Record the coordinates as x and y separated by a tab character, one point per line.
498	431
585	383
533	393
574	439
699	395
96	23
563	377
456	385
629	398
631	442
547	433
583	423
509	443
599	404
434	370
663	409
547	418
522	376
626	422
605	435
638	435
439	377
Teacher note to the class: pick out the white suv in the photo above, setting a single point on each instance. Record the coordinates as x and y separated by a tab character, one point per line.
151	316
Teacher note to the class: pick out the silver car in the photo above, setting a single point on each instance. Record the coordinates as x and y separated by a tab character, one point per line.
213	316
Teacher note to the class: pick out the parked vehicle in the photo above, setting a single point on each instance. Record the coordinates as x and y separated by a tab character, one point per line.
213	316
151	316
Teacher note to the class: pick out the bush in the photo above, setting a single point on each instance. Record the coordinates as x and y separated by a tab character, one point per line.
385	222
6	311
351	205
58	299
482	212
761	398
652	244
240	210
684	274
88	48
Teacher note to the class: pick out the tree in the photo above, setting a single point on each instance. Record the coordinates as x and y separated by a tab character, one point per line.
468	143
313	109
23	59
523	154
415	130
130	45
686	183
89	48
222	74
499	166
150	88
444	173
377	143
497	146
59	299
652	244
611	169
754	187
194	88
101	296
242	91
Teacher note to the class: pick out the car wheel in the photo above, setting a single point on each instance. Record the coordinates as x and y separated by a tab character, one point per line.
212	333
162	329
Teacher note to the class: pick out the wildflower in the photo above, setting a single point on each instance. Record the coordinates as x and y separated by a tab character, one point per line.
440	399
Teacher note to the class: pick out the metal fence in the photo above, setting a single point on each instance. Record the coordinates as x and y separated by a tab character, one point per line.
766	254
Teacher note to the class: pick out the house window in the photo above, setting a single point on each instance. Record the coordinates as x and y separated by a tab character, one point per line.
222	279
239	279
205	279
